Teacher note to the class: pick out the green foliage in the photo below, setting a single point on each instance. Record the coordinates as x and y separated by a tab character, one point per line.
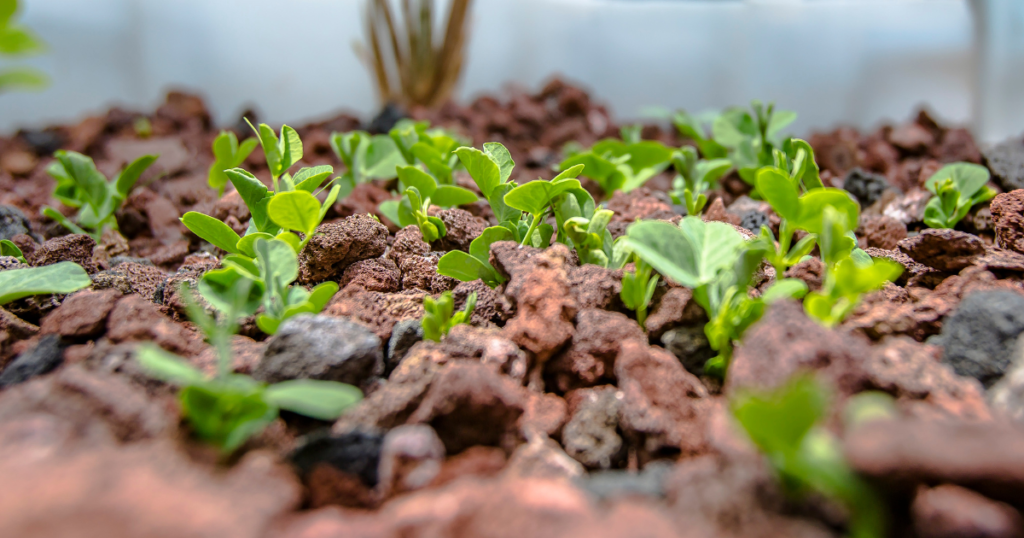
784	425
695	177
536	198
476	264
693	128
17	41
638	289
282	153
8	248
590	236
228	408
849	273
227	154
783	254
439	316
62	277
713	259
957	188
751	138
621	164
81	185
366	158
491	170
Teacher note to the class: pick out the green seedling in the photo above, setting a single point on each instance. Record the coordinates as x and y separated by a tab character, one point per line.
8	248
590	236
81	185
476	264
434	148
366	157
536	198
784	424
694	177
439	316
621	165
849	273
638	289
715	261
61	278
783	253
693	128
282	153
273	214
752	138
227	409
271	273
227	154
491	170
957	188
17	41
422	190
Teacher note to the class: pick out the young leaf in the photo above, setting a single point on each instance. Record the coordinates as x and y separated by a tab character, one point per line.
8	248
483	168
130	175
61	277
692	254
451	196
212	230
535	197
322	400
295	210
167	366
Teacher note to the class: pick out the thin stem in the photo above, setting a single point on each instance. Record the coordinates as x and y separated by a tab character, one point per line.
533	227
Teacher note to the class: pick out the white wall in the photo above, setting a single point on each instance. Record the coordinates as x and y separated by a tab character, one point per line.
850	61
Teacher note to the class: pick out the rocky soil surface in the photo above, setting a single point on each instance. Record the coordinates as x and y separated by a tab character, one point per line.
624	439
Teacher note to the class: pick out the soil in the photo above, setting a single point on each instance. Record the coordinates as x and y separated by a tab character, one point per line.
553	413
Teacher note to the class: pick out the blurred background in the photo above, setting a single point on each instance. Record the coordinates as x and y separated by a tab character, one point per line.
835	62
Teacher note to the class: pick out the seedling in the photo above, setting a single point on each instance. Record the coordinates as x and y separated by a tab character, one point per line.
61	277
849	273
439	316
18	41
693	128
784	425
714	260
273	214
227	409
957	188
366	158
81	185
476	264
621	165
434	148
491	170
272	273
638	289
8	248
695	177
536	199
752	138
282	153
227	154
421	190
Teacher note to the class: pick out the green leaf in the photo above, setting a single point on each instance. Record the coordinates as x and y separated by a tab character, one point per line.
483	168
167	366
411	176
256	196
295	210
777	421
480	248
647	154
692	254
8	248
23	78
381	159
813	203
130	175
534	197
220	286
83	171
290	147
61	278
500	155
268	139
451	196
63	221
292	240
309	179
779	191
321	295
461	266
247	244
267	324
502	212
212	230
389	209
969	178
787	288
434	161
323	400
277	262
225	415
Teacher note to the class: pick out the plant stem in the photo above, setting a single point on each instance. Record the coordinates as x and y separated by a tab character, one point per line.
533	227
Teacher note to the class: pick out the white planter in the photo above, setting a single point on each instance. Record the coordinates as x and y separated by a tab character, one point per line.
834	61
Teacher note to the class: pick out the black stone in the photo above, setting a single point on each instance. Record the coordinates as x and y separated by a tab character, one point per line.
43	143
12	222
753	219
386	119
980	336
356	453
40	359
866	187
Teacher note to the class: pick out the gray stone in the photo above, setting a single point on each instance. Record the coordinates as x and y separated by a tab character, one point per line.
1006	161
42	358
12	222
610	484
10	262
979	338
590	435
356	453
403	336
321	347
541	457
690	345
1007	396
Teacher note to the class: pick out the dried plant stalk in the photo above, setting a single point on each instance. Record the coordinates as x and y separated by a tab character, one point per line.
408	67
